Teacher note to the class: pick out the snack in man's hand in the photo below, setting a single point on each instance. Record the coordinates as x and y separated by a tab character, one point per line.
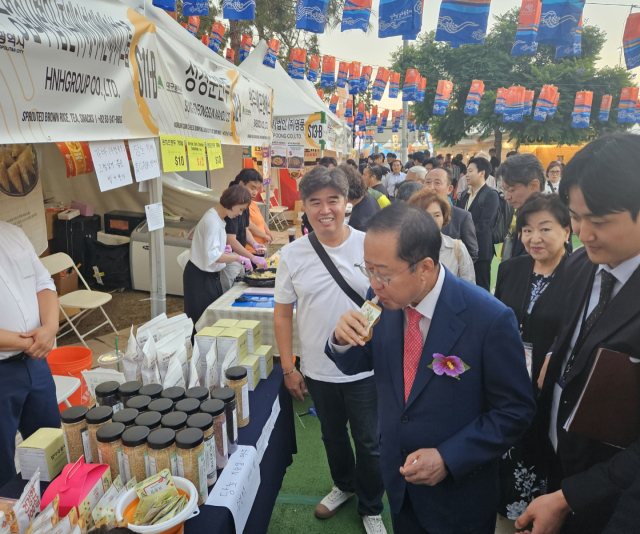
372	313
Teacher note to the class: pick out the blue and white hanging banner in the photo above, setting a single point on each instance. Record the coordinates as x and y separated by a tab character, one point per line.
395	17
527	32
167	5
410	87
355	15
239	9
380	129
631	41
582	109
463	22
559	21
514	107
605	107
195	7
311	15
574	49
501	100
443	96
473	98
416	23
394	85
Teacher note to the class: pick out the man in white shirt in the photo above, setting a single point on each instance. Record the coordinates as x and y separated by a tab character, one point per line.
28	327
303	278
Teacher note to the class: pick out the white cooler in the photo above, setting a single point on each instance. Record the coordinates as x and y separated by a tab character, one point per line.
176	241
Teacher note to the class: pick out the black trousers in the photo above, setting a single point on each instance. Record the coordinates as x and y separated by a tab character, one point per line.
201	288
483	273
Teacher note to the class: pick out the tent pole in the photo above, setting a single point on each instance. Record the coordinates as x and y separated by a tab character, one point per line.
156	257
405	114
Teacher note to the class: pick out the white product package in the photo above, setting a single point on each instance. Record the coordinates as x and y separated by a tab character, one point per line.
131	360
195	369
174	376
231	359
178	322
211	378
150	373
166	349
181	356
28	504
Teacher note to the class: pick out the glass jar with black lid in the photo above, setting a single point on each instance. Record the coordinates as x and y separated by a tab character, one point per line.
135	453
198	392
228	396
188	406
175	393
110	447
152	390
139	402
192	463
127	417
107	395
204	422
174	420
96	418
129	390
162	451
149	419
216	409
162	406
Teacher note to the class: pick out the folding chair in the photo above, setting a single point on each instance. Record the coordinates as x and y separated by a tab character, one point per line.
276	213
86	300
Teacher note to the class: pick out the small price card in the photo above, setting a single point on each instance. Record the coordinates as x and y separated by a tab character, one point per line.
214	151
174	158
111	164
144	155
197	154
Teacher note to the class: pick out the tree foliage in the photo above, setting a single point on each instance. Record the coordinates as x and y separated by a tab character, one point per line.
493	64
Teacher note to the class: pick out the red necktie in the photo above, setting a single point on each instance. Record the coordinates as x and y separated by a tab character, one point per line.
412	349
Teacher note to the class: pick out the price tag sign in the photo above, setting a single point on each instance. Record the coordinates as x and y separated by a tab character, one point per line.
111	164
174	158
197	154
144	156
214	151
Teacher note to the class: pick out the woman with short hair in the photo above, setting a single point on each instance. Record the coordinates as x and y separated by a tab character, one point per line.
554	174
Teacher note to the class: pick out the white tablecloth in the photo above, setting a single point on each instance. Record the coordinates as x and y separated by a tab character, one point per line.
223	309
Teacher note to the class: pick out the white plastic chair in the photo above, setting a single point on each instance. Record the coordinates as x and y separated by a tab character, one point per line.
86	300
276	213
65	387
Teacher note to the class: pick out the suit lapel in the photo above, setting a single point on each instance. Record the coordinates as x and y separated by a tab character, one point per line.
394	350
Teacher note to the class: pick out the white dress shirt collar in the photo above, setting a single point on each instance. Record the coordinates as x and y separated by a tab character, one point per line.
623	271
427	305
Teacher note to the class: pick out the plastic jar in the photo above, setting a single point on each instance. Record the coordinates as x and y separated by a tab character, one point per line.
237	380
188	406
198	392
139	402
129	390
127	417
162	406
228	396
176	421
152	390
107	395
215	408
204	422
135	453
149	419
110	447
175	394
192	462
96	418
162	451
76	434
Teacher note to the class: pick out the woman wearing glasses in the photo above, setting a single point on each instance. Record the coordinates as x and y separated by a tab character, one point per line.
554	173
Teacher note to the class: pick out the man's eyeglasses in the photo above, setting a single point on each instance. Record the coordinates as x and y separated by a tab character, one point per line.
381	279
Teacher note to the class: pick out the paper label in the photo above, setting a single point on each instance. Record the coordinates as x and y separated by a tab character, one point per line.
152	467
173	459
146	464
180	467
66	447
100	456
235	425
86	445
225	447
119	455
144	156
111	164
210	450
117	407
214	151
197	154
127	468
245	401
173	154
202	474
155	216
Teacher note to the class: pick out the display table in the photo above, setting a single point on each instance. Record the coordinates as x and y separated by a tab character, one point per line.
223	309
277	457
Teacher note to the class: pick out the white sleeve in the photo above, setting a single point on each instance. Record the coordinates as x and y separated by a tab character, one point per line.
465	265
334	347
43	278
214	246
284	292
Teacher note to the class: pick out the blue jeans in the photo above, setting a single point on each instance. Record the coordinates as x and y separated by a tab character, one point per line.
27	403
355	403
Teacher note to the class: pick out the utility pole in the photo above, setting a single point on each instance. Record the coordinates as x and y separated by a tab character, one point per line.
405	115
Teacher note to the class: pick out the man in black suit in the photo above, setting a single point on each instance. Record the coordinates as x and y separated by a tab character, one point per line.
461	224
483	203
603	311
522	175
495	162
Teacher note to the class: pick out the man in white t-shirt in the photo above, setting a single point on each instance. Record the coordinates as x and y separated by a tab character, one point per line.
338	398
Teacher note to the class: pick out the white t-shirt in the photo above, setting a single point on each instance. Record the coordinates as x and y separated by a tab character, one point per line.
302	277
209	241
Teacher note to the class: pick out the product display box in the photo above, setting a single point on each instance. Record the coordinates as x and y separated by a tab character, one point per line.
252	364
206	338
45	449
233	336
265	353
254	334
226	323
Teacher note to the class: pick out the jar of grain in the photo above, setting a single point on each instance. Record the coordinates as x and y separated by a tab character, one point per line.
152	390
107	395
228	396
139	402
175	421
110	447
188	406
192	463
175	394
215	408
135	453
149	419
237	380
198	392
76	434
127	417
129	390
162	451
162	406
204	422
96	418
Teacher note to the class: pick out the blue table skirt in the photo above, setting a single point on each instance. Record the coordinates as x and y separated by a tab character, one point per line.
276	459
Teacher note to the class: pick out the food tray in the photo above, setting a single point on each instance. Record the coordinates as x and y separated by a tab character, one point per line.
257	282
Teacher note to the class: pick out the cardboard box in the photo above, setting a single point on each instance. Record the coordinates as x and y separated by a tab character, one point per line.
226	323
254	334
252	364
232	336
265	353
45	449
65	285
206	338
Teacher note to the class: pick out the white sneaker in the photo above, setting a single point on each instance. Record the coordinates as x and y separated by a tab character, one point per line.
373	524
329	506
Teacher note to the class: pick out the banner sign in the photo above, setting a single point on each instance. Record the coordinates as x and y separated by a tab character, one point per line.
545	102
297	60
217	34
528	102
527	32
443	95
514	108
473	98
554	108
272	54
380	83
355	15
573	49
383	117
396	17
605	107
307	130
422	87
631	41
394	85
463	22
195	7
627	106
416	23
328	76
343	72
354	78
239	9
348	112
582	109
311	15
76	73
365	78
245	47
333	105
410	86
314	64
501	100
559	20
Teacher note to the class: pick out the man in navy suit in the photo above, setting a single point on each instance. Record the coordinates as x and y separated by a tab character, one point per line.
453	389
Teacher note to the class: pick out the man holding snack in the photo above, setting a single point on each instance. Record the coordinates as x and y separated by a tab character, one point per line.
304	277
453	388
28	328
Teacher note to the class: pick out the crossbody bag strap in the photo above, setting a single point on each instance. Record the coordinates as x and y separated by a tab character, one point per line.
333	270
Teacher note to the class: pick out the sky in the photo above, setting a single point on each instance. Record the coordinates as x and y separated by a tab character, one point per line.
354	45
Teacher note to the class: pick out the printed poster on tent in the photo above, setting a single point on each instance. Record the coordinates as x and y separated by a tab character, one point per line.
306	130
76	71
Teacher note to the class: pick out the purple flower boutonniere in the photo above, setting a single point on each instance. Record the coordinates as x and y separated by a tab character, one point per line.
448	365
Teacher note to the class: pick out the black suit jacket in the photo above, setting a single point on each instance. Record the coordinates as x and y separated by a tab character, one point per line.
484	218
461	227
595	474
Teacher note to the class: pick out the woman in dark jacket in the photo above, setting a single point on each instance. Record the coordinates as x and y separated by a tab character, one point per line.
531	285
